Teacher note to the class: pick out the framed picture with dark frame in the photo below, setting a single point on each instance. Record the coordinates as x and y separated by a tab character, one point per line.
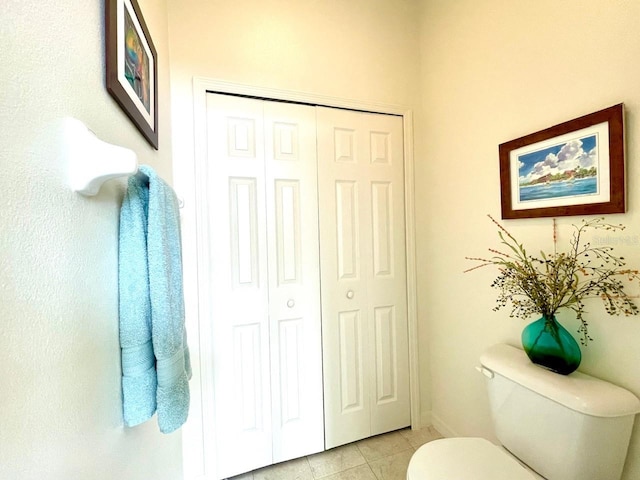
132	71
574	168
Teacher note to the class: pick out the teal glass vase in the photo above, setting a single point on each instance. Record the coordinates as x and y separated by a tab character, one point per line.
550	345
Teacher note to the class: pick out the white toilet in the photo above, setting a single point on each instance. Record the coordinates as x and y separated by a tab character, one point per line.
551	426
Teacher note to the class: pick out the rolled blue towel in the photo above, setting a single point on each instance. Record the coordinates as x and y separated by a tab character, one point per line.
153	286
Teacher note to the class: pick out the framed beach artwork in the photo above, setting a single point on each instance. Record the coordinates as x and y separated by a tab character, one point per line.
575	168
132	72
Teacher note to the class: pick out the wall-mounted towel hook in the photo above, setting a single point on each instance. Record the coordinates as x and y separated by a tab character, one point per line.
92	161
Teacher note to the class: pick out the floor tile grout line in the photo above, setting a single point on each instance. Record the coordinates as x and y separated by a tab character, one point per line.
387	456
411	440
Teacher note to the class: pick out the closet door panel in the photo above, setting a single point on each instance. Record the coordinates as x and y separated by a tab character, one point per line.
347	229
343	193
382	228
239	296
361	191
243	233
288	231
352	394
386	347
294	280
390	400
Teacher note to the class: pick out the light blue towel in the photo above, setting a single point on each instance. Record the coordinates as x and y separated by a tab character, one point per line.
155	356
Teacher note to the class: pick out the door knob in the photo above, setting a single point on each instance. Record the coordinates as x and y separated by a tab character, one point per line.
290	303
350	294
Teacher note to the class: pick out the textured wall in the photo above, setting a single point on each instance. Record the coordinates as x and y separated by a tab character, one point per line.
59	360
494	71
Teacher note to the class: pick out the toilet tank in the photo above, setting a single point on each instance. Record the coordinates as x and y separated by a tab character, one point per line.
573	427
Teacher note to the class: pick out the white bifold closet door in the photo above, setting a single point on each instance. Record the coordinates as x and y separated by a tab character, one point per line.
264	271
363	274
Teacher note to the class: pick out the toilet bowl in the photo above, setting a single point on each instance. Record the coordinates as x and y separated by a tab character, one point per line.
466	459
550	426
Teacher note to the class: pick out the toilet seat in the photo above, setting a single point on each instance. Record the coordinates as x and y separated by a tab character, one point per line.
465	459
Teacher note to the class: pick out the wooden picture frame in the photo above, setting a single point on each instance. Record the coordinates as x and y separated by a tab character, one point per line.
574	168
131	66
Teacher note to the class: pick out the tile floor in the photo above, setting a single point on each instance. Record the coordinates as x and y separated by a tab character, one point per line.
384	457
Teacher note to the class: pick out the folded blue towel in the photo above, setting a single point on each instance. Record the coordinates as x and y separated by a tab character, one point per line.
139	380
155	356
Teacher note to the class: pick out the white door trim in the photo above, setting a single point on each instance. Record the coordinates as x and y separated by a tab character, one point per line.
202	85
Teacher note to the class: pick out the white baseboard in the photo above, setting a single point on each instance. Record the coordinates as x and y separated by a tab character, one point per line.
442	426
425	420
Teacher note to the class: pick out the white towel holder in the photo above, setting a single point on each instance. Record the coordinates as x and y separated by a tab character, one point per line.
93	161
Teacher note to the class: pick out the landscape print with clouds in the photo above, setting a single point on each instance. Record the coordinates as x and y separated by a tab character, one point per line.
565	170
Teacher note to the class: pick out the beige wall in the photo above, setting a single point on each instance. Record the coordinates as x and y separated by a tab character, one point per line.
361	50
490	71
477	74
494	71
60	364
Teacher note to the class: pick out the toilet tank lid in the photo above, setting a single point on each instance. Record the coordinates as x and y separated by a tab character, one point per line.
577	391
